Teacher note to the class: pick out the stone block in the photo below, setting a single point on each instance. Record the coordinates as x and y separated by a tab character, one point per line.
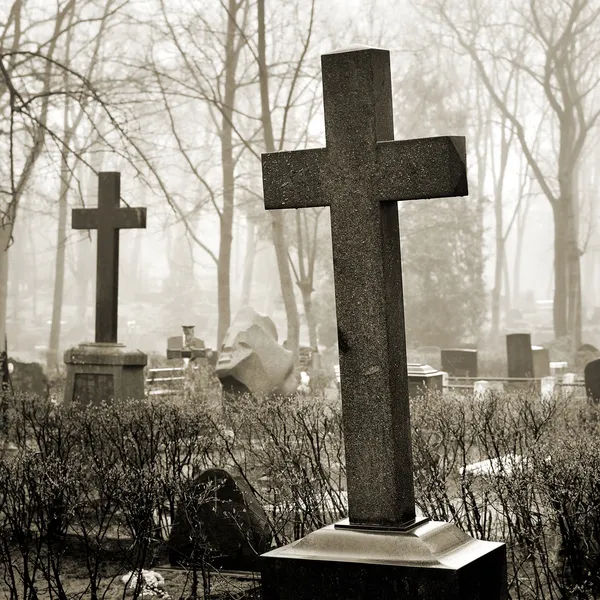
103	372
460	362
434	561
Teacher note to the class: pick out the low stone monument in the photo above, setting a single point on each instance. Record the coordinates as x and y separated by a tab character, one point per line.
382	550
105	370
234	525
460	362
186	346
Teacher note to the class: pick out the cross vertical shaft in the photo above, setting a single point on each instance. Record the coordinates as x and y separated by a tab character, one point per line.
361	175
108	219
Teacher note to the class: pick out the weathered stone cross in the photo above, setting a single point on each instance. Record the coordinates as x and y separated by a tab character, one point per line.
108	218
360	175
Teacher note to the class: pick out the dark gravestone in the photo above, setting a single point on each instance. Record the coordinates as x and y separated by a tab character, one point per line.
591	374
28	378
234	526
459	362
519	355
381	551
106	360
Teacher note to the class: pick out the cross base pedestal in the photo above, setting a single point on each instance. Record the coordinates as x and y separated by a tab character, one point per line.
433	560
101	372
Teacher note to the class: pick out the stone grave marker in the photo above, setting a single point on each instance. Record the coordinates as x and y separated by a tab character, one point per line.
186	346
568	383
519	355
28	378
105	370
382	550
541	361
591	374
460	362
547	387
234	524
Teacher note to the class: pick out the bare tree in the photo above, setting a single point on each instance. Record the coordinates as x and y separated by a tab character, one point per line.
556	46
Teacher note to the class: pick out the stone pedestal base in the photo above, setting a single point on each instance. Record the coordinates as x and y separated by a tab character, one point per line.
99	373
433	561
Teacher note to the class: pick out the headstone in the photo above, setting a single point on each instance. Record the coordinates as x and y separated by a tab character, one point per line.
423	379
591	374
105	370
234	524
559	367
382	550
519	355
28	378
541	362
251	360
460	362
547	387
185	346
568	383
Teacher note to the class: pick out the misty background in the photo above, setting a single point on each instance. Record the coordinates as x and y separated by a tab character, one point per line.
182	98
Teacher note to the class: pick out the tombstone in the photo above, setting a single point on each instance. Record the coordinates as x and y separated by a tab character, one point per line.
541	362
251	360
28	378
591	374
568	383
185	346
233	521
106	370
423	379
519	355
548	387
460	362
383	550
558	368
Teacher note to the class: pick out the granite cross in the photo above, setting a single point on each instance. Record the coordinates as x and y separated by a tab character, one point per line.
108	218
360	175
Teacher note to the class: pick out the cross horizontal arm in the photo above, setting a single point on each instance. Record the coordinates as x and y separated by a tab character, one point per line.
131	218
84	218
293	179
423	168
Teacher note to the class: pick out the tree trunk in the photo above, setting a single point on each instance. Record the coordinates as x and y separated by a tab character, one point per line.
277	217
498	267
5	235
226	216
307	290
248	261
560	270
59	267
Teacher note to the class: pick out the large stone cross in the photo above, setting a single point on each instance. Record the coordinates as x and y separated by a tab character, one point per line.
360	175
108	218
